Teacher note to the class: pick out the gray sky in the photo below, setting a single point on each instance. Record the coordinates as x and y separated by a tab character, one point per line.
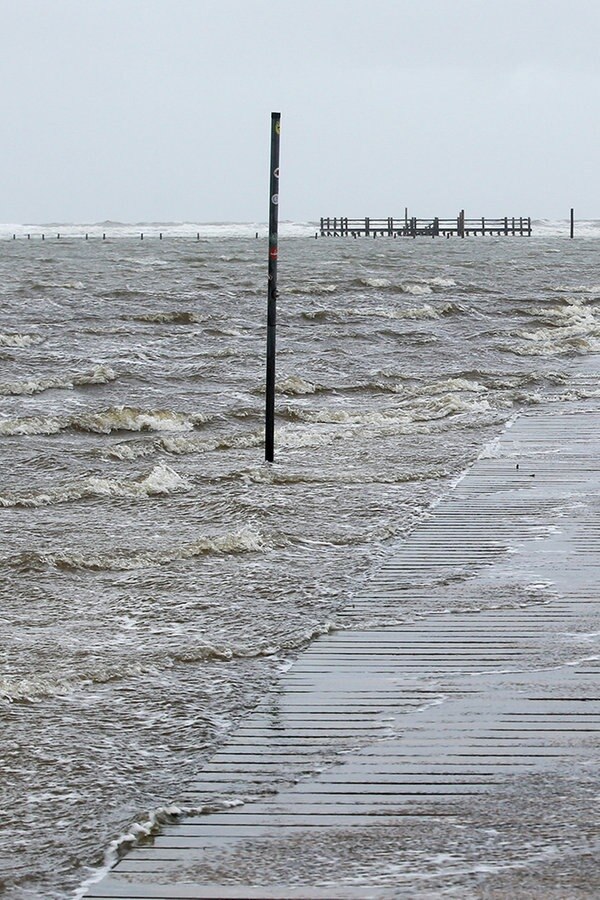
159	110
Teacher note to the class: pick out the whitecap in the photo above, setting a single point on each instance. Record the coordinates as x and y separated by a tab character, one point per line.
417	289
118	418
243	540
162	480
294	384
19	340
98	375
440	281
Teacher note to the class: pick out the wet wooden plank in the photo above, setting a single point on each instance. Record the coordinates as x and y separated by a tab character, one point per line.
456	718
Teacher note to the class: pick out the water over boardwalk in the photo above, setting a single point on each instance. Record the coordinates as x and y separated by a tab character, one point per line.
452	755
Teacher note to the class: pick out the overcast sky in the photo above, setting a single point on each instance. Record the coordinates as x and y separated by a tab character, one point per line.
159	110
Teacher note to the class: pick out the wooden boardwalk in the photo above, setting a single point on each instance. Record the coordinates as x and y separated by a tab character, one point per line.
448	743
393	227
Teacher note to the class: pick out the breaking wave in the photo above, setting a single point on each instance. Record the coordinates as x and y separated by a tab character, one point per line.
19	340
571	327
294	384
118	418
243	540
178	317
418	287
421	410
161	481
141	831
269	475
29	689
180	445
99	375
384	312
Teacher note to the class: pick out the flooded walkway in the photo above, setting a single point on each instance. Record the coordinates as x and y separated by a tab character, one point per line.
455	754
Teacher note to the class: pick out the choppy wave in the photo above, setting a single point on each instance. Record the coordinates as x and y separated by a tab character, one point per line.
180	445
98	375
270	475
242	540
310	289
393	382
19	340
32	688
162	480
294	384
177	317
421	410
578	289
118	418
417	287
452	384
571	327
384	312
320	428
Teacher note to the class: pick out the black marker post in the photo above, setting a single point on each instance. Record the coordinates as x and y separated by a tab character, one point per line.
272	286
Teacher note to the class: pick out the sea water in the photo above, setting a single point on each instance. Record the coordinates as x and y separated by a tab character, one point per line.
156	575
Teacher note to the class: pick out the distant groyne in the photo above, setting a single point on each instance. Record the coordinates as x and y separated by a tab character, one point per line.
517	226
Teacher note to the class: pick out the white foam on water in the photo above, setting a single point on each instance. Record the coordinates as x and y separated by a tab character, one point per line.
418	409
162	480
375	282
33	688
98	375
118	418
113	230
245	539
295	384
560	228
19	340
416	289
31	425
440	281
178	445
139	831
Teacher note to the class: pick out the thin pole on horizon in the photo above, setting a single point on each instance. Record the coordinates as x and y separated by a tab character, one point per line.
572	232
272	286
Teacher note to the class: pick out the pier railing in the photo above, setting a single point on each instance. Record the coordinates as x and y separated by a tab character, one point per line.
404	227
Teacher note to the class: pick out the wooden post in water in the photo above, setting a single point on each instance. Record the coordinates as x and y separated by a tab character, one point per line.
572	231
272	286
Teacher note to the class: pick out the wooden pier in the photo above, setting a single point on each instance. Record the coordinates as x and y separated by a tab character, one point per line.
453	751
393	227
